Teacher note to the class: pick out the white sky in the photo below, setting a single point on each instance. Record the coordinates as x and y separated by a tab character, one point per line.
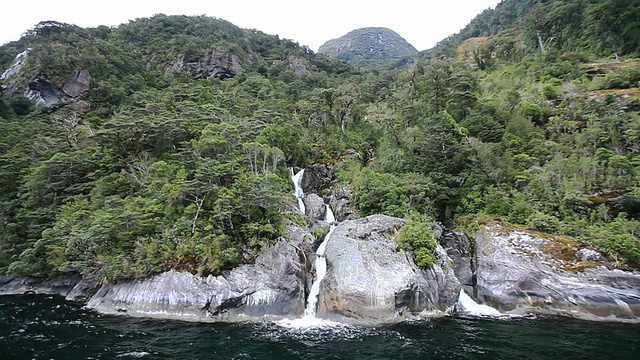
421	22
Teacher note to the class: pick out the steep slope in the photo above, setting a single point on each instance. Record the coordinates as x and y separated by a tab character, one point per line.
371	46
516	28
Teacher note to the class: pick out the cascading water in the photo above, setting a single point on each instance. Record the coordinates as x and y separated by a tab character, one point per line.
309	319
321	267
468	306
297	182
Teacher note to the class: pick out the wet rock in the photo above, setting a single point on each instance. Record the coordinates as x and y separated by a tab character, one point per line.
459	247
10	285
84	289
273	287
370	280
315	207
522	272
16	65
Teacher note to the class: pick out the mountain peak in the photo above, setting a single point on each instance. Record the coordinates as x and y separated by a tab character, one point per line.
370	46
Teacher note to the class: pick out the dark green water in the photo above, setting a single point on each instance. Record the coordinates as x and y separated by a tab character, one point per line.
46	327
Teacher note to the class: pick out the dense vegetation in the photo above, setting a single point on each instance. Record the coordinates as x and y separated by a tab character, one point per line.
369	47
160	168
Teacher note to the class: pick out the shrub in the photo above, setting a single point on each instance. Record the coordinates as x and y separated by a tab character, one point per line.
543	222
418	236
549	92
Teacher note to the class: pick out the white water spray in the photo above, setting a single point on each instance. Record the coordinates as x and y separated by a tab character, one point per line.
297	182
468	306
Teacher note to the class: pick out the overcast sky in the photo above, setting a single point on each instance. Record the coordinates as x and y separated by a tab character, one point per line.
421	22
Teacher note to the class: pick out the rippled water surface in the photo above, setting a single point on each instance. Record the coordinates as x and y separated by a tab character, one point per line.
47	327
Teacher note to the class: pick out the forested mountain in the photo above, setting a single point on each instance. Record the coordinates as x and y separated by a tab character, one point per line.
369	47
164	143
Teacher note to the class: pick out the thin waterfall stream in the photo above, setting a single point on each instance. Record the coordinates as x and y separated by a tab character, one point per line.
321	267
309	317
299	193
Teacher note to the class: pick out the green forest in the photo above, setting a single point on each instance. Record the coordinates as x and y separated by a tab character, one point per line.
529	115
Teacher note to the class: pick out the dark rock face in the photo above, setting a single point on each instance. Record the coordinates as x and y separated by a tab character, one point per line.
370	280
317	177
17	286
522	272
43	91
459	247
84	289
273	287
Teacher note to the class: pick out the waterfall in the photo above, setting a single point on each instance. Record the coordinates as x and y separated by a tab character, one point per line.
299	193
309	319
468	306
321	267
328	215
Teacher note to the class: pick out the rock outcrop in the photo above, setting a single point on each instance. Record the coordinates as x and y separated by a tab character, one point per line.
370	280
518	271
299	65
16	65
78	84
41	90
217	63
273	287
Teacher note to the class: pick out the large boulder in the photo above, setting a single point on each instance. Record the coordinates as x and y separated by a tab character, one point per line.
317	178
314	207
371	280
519	271
340	202
273	287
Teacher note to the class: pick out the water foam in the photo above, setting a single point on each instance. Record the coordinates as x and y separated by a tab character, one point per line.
468	306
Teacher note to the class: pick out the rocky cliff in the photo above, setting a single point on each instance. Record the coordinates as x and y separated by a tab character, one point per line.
518	272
